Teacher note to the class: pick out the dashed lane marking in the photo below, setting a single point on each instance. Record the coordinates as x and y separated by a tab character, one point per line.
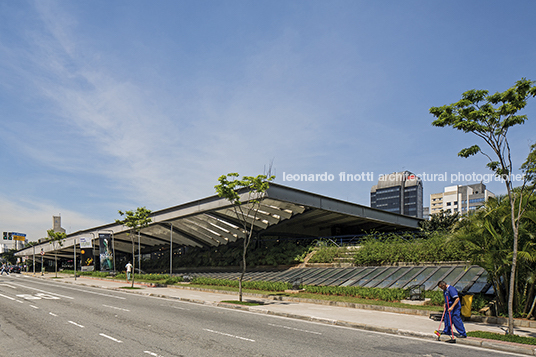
229	335
74	323
295	329
10	298
117	308
110	337
152	353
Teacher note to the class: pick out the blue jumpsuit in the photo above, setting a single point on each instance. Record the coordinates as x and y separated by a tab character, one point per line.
451	294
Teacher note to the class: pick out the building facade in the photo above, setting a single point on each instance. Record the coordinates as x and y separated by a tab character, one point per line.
399	192
460	198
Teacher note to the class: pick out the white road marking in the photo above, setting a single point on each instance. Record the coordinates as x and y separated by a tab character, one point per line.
229	335
92	292
152	353
117	308
28	297
74	323
11	286
53	314
110	337
296	329
10	298
84	291
35	307
47	296
46	292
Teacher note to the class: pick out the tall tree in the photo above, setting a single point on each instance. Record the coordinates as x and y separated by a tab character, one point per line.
490	117
246	208
135	221
53	238
442	221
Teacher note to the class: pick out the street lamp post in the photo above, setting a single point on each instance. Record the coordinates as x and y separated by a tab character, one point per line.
170	249
74	257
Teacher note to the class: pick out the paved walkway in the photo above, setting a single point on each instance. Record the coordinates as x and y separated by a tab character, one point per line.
390	322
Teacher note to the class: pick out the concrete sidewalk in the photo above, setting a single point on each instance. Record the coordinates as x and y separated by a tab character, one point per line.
416	325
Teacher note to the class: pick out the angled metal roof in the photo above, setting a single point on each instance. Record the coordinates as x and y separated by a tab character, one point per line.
213	221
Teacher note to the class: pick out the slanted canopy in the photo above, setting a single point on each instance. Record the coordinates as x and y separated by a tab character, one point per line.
212	221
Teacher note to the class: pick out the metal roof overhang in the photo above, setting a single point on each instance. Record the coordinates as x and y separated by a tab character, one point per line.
213	221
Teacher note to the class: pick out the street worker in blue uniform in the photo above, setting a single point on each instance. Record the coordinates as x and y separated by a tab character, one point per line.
454	306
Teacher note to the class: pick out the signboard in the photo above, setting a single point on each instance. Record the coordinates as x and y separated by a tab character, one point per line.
14	236
85	242
18	236
86	257
105	252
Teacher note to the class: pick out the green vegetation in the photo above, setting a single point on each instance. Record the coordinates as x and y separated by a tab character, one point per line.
389	249
502	337
359	292
245	195
327	254
254	285
488	237
135	221
156	278
490	117
272	252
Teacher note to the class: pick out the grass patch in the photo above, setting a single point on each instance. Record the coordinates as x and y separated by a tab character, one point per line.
129	287
246	303
305	295
500	337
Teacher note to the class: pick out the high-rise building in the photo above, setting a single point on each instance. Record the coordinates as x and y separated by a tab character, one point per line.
399	192
460	198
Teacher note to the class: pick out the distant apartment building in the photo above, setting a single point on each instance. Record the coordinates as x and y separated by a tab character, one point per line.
399	192
460	198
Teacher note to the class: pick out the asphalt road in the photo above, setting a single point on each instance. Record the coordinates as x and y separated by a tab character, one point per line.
50	318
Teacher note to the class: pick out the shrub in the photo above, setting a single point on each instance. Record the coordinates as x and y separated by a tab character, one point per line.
254	285
394	249
359	292
326	254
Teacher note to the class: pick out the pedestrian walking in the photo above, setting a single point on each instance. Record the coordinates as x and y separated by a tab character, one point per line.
452	310
129	270
4	269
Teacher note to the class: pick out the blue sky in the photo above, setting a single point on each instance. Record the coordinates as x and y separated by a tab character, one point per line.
113	105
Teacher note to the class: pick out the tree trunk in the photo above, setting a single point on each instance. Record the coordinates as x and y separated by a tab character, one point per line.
515	228
532	308
243	269
529	298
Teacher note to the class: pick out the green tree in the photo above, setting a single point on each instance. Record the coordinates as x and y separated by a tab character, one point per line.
490	117
9	256
442	221
245	196
135	221
53	238
488	237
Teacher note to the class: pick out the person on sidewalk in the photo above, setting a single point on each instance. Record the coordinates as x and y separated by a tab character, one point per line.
452	308
129	270
4	269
